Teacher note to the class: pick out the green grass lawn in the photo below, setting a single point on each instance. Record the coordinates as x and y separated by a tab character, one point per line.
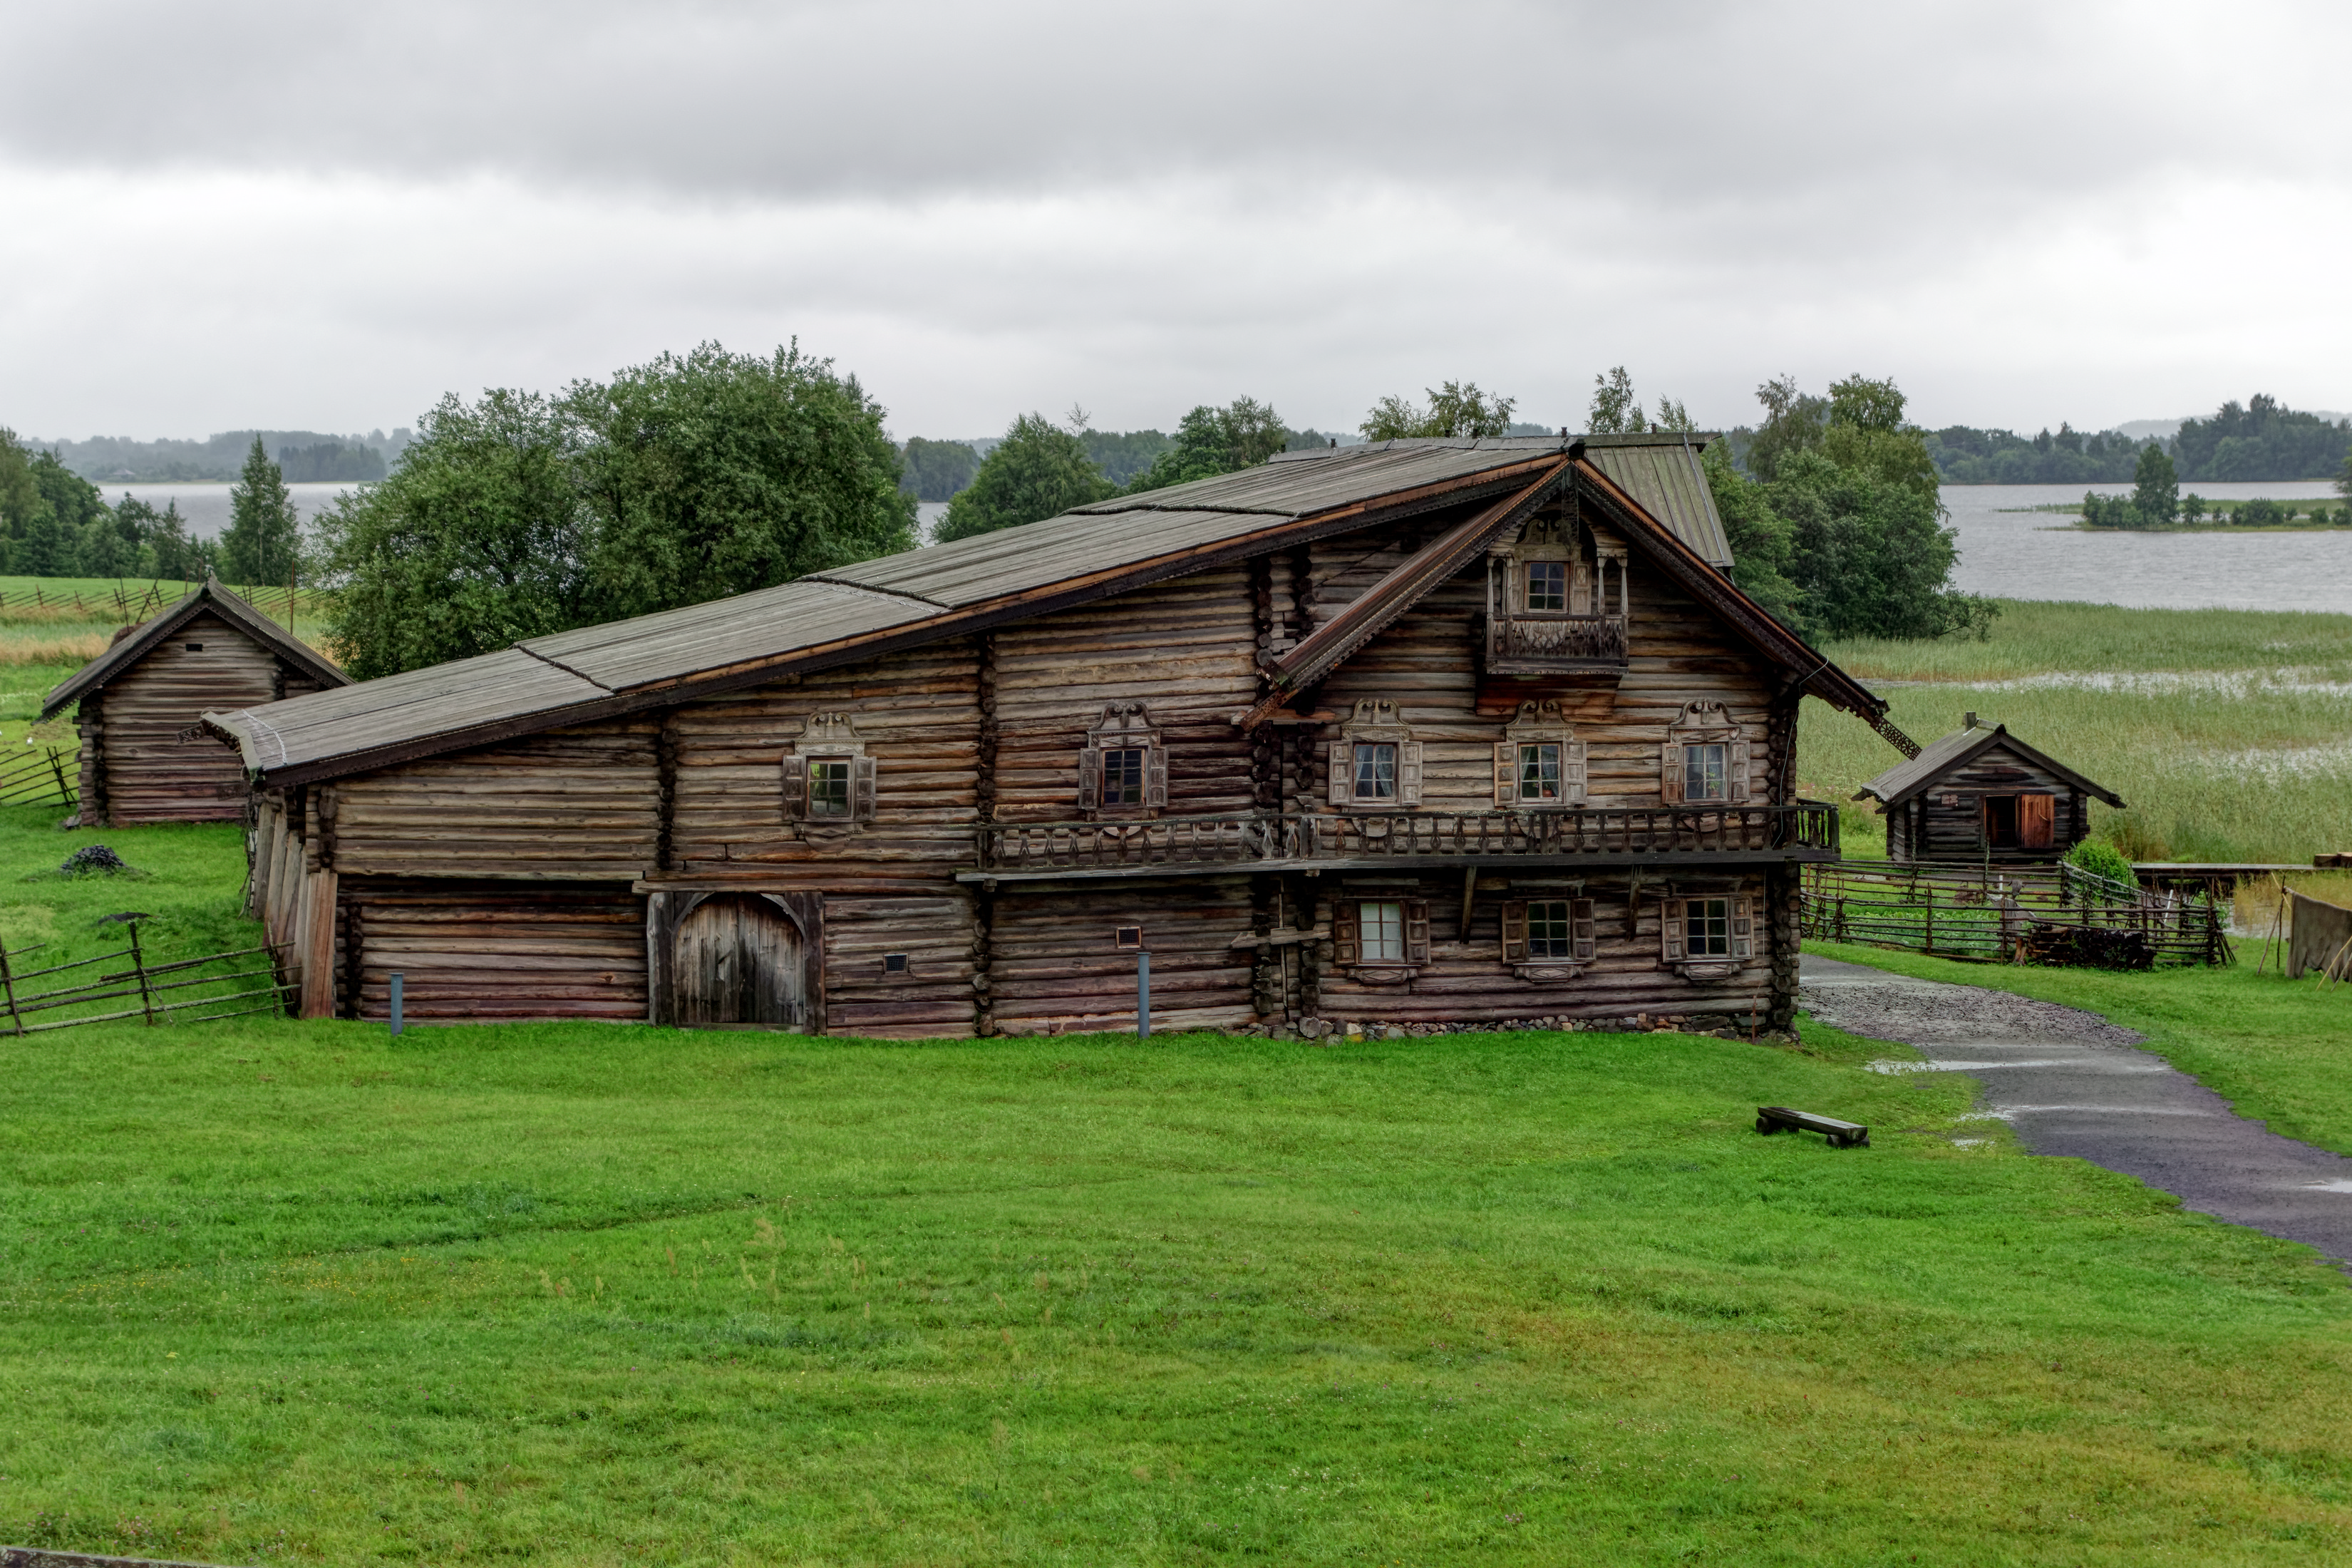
2224	731
2279	1051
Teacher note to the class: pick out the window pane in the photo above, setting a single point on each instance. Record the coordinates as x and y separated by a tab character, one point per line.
1539	772
1122	780
1703	773
1376	773
1709	921
1380	929
1546	586
829	786
1547	933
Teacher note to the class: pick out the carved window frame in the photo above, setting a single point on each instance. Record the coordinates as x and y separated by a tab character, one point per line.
1123	726
1674	935
1537	724
828	736
1550	537
1348	944
1704	724
1553	969
1375	722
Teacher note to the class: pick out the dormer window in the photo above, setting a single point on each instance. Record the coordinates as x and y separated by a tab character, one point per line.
1554	598
1376	762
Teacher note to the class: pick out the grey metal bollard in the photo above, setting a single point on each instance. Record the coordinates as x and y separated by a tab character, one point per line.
1143	995
396	1002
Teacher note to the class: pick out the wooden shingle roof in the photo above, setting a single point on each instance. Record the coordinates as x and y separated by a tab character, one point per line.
874	607
207	594
1956	750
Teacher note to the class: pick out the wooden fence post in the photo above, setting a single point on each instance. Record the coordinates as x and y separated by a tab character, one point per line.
65	794
138	967
8	984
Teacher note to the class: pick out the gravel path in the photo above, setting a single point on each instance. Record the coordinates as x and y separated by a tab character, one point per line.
2072	1083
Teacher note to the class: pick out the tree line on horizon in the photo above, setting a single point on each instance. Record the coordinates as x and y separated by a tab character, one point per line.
2261	440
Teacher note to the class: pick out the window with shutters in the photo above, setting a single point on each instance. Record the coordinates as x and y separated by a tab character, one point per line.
1549	939
1707	938
1376	762
1380	940
1123	767
828	779
1704	760
1539	762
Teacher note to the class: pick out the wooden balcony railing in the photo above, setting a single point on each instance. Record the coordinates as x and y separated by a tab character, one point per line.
1555	642
1807	830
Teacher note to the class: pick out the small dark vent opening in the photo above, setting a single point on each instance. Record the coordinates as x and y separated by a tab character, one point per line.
196	647
894	963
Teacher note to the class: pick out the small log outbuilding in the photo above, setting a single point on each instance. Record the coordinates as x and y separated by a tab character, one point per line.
145	756
1410	733
1981	794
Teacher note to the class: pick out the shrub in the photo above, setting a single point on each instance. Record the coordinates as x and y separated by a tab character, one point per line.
2100	858
2260	514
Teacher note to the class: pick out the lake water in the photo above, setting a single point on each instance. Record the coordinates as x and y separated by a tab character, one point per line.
2019	555
2004	550
205	506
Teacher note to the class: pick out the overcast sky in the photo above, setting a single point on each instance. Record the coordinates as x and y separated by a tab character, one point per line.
326	216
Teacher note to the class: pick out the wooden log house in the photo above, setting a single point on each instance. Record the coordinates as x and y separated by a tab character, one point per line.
139	707
1417	730
1982	794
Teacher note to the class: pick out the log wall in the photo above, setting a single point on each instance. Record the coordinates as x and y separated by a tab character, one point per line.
135	765
510	876
1924	828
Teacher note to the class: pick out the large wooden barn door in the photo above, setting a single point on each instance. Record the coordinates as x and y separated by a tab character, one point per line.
739	960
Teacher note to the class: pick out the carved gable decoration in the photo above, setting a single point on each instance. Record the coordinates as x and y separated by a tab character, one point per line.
1705	758
1123	767
828	779
1539	763
1376	762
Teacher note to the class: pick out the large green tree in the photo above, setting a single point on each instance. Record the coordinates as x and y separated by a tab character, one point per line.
478	540
937	470
716	473
1457	410
1616	410
2156	487
1212	441
1843	531
1038	471
264	529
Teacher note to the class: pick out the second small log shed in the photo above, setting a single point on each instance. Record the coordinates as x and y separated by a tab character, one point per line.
1982	794
138	705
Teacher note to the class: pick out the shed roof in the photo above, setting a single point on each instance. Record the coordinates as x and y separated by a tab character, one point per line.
923	595
207	594
1956	750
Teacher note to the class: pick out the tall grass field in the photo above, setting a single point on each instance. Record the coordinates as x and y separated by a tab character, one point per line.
2227	732
278	1292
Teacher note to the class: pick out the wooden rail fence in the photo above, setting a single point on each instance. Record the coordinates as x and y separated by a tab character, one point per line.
37	779
2057	914
155	985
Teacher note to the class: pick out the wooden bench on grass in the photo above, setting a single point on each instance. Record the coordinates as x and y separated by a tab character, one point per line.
1771	1118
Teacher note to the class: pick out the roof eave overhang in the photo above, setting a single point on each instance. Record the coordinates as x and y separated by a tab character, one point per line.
1282	532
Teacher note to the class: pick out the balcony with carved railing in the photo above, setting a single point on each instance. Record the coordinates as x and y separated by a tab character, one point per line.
1540	644
1597	835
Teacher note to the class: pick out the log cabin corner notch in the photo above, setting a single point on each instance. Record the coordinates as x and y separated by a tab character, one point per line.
136	703
1981	794
607	822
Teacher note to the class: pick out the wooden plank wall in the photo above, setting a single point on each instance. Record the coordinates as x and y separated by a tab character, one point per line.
1056	968
491	949
575	805
150	774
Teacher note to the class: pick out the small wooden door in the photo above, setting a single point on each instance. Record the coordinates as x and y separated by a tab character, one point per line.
2035	820
739	963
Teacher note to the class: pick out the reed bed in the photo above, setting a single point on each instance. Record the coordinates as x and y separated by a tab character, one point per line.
2257	906
2228	733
